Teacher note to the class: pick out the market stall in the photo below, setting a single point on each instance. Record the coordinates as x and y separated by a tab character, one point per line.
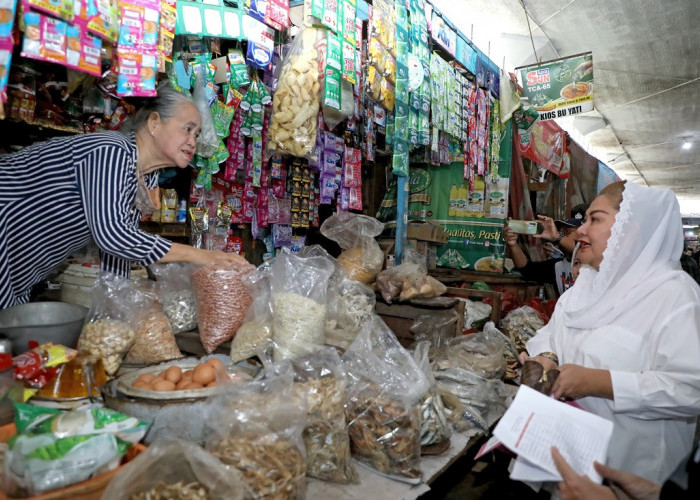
352	153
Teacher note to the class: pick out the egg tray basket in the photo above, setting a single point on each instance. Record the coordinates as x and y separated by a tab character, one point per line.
124	382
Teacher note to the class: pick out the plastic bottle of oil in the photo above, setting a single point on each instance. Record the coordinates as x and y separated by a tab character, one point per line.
452	211
462	197
476	200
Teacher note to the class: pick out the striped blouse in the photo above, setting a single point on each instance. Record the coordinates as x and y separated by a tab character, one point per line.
57	195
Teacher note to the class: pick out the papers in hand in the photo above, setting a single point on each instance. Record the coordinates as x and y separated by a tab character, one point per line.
535	422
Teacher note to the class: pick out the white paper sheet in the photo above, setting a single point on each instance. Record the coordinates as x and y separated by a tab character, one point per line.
535	422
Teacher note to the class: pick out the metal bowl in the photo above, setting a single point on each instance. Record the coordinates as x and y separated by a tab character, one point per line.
56	322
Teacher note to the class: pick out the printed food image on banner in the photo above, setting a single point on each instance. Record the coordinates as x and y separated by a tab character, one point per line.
562	87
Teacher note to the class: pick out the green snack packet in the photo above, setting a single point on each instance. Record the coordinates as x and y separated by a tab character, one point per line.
239	71
334	53
331	89
222	116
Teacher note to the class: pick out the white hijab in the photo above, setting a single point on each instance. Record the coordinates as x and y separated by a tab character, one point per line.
643	251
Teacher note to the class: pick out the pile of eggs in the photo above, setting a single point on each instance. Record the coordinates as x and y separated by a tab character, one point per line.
175	379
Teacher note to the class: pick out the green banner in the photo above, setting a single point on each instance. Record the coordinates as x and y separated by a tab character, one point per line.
473	221
560	88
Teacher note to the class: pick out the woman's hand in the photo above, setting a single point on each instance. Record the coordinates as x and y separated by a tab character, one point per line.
219	258
575	382
629	486
575	486
623	485
511	238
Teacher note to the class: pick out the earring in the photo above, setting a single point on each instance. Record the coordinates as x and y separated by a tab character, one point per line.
152	133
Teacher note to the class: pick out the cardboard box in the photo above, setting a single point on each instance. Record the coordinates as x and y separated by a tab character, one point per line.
421	230
427	231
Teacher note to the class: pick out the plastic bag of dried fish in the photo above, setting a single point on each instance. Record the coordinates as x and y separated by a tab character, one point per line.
521	324
106	332
254	336
361	257
298	288
484	399
382	404
481	353
350	306
434	427
319	379
174	468
256	428
176	294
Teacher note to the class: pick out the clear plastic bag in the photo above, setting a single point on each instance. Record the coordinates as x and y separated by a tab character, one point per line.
350	305
256	428
521	325
207	141
295	103
435	427
254	336
437	328
319	379
299	291
361	258
409	280
107	332
176	295
481	353
178	468
383	399
154	341
222	302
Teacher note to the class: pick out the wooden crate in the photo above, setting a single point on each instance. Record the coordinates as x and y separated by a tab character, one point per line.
400	317
91	489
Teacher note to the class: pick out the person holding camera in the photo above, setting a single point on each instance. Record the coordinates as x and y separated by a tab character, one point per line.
556	270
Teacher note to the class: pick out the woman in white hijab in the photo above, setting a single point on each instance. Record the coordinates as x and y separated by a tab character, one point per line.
627	334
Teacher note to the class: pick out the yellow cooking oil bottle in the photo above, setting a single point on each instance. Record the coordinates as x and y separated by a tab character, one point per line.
452	210
475	205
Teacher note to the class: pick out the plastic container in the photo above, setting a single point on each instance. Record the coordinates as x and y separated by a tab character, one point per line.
78	280
91	489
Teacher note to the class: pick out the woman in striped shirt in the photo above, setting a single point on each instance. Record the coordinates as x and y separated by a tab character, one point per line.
58	195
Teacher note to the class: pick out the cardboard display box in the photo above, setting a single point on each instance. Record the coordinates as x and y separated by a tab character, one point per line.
420	230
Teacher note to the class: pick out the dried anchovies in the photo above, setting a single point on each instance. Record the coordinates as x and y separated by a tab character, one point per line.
177	491
272	468
326	435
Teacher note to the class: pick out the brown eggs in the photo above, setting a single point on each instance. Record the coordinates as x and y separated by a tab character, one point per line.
175	379
204	374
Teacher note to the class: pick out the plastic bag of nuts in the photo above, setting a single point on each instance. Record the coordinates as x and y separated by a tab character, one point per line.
107	332
222	302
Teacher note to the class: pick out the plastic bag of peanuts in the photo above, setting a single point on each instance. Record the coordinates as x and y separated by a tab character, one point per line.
222	302
295	103
107	332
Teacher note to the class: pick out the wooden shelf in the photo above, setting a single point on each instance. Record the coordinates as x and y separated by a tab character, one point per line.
167	229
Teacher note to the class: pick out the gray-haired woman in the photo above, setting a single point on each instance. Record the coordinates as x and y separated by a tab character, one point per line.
58	195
